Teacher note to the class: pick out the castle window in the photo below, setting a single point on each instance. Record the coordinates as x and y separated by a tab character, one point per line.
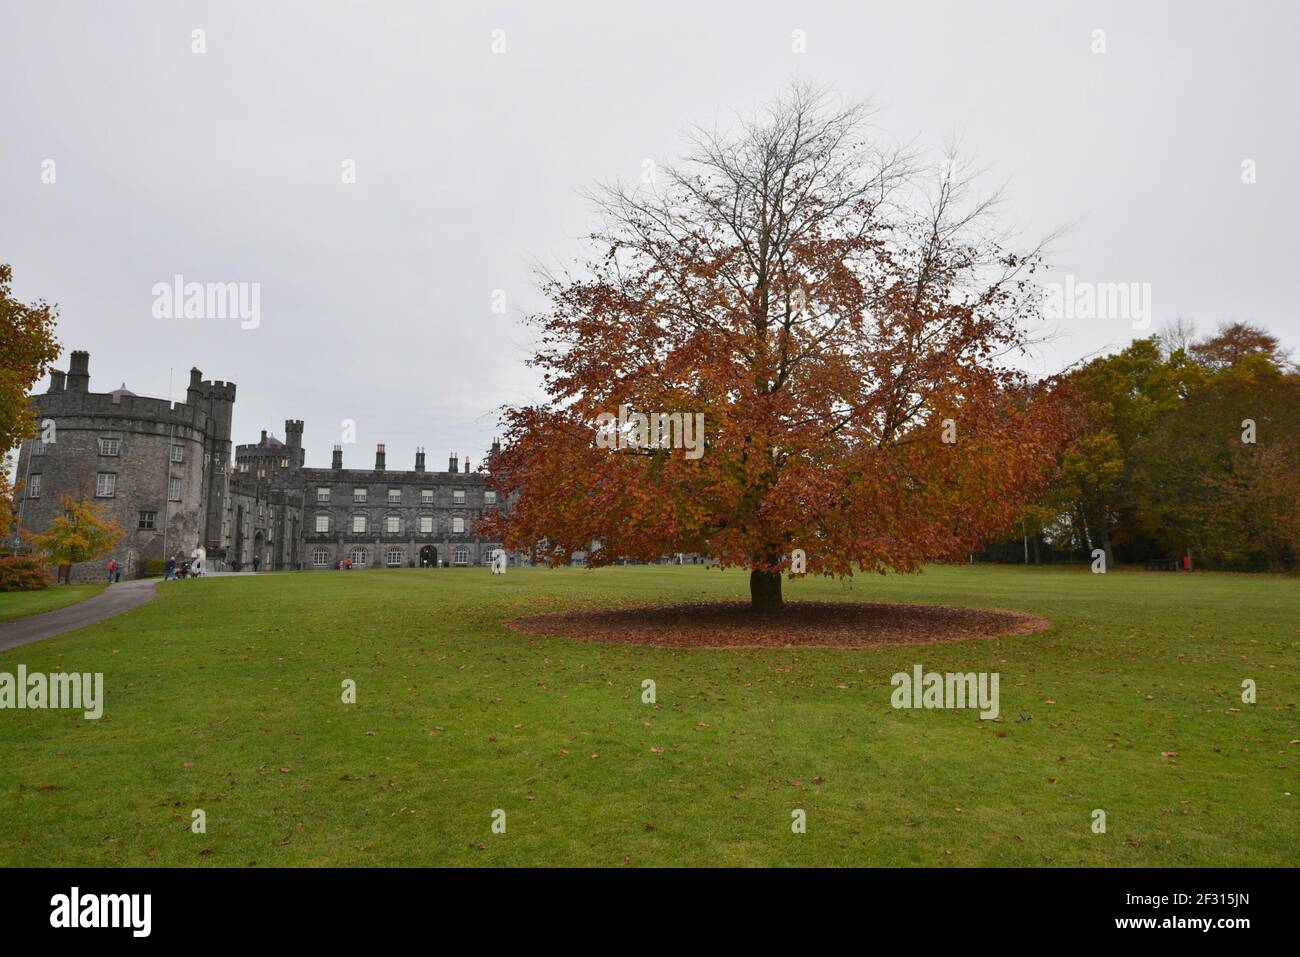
110	446
426	496
178	453
489	497
284	463
392	524
458	497
358	523
323	496
322	523
105	484
359	495
173	489
426	524
394	496
39	448
359	557
34	486
460	556
320	558
393	557
457	526
147	519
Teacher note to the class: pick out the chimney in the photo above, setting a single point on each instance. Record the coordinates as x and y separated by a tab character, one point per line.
338	458
467	466
263	437
419	460
79	372
452	465
379	457
58	380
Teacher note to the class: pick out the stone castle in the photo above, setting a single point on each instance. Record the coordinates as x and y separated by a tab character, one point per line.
166	473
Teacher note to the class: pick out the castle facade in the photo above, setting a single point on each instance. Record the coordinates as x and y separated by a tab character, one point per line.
166	473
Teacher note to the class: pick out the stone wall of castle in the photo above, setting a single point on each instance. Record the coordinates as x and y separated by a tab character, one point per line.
171	469
146	460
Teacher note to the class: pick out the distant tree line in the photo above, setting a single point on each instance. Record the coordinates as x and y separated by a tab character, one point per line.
1183	447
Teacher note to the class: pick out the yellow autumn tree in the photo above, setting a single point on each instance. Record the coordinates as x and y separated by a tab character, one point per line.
27	348
83	533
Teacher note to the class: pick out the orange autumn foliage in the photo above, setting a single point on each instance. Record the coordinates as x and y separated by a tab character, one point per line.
832	330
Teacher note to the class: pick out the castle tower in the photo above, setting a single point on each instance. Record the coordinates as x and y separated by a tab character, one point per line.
293	438
79	372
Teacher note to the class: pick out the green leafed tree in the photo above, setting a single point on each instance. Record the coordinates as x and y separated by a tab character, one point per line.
84	532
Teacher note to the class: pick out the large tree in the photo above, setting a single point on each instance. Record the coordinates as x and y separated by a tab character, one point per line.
1121	398
1219	478
27	348
837	312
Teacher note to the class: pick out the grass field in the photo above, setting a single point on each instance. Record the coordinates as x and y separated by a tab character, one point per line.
225	695
18	604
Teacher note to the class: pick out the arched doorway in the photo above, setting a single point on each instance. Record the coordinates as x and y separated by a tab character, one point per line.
259	545
428	557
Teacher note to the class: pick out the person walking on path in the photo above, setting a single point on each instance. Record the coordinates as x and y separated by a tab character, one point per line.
257	562
169	571
112	569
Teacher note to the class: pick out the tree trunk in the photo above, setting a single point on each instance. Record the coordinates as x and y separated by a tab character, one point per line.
765	591
1104	540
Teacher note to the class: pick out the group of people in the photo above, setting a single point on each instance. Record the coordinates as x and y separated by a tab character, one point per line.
177	569
344	565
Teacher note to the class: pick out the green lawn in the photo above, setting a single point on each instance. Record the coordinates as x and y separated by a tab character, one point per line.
17	604
224	694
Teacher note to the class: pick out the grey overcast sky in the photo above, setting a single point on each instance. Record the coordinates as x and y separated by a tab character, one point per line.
376	296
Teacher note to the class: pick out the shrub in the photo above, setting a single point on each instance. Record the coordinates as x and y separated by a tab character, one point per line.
23	573
151	568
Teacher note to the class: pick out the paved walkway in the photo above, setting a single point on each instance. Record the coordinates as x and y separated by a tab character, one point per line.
113	600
